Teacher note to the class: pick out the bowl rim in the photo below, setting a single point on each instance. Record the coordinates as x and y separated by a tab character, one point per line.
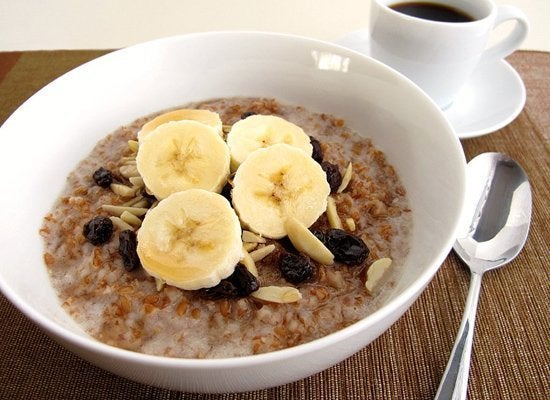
92	345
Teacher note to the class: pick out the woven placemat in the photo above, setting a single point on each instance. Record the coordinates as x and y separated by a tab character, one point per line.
511	357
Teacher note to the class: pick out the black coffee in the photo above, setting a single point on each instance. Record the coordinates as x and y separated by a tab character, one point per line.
432	11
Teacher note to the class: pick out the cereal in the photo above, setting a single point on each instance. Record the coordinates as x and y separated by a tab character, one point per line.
126	308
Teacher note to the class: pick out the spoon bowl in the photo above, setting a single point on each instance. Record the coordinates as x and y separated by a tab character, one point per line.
493	230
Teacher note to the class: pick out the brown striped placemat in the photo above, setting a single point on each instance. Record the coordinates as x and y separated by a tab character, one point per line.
511	357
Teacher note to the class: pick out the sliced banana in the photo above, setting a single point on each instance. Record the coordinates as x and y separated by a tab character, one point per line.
180	155
306	242
206	117
276	183
191	240
259	131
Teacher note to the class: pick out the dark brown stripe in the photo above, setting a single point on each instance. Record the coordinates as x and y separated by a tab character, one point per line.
7	61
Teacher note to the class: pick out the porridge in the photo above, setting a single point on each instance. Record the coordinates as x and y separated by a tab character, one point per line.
290	297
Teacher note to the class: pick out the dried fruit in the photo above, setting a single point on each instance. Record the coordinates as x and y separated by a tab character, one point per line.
334	177
244	281
347	248
98	230
295	268
223	290
247	114
103	177
127	244
317	154
226	191
240	284
147	195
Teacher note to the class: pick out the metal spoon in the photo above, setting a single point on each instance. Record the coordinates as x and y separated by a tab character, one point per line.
494	227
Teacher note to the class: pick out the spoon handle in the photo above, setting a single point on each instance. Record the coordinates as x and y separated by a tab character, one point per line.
454	384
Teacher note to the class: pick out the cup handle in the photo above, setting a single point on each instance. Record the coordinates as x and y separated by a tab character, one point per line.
514	39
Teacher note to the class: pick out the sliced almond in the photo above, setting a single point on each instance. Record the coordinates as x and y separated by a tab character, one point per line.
251	237
133	145
130	219
376	274
143	203
122	190
159	283
128	171
118	210
226	128
306	242
350	223
132	202
137	181
335	278
346	178
249	263
332	214
120	224
277	294
248	246
262	252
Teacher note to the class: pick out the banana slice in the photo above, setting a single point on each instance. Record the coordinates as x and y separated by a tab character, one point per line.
207	117
180	155
259	131
191	240
276	183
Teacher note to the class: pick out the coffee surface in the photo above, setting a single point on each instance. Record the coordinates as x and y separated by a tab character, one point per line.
432	11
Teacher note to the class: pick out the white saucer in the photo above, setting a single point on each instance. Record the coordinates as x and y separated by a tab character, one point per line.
491	99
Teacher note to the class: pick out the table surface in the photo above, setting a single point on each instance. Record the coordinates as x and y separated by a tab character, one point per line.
511	357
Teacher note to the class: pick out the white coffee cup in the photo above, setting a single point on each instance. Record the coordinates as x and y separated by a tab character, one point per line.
440	56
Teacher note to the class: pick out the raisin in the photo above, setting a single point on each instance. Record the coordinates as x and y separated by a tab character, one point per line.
146	195
103	177
98	230
127	248
244	281
247	114
317	150
226	191
239	284
334	177
295	268
223	290
347	248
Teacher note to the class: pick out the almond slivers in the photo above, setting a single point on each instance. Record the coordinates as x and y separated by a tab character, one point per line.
376	273
332	214
251	237
262	252
249	263
346	178
277	294
120	224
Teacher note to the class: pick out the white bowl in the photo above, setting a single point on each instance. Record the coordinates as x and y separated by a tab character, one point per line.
46	137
